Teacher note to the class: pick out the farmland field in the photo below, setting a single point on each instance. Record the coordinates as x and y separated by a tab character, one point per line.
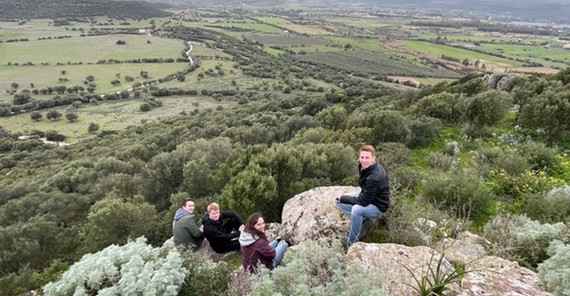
286	39
45	76
437	50
374	63
112	115
534	53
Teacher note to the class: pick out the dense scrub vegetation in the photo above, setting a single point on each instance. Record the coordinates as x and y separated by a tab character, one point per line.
458	153
26	9
57	204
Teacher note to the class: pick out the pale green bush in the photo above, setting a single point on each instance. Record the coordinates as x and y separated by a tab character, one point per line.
555	271
522	239
316	268
441	161
133	269
533	238
498	231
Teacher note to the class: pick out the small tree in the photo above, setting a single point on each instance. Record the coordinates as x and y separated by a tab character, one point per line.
145	107
144	74
71	117
53	115
35	116
181	78
93	128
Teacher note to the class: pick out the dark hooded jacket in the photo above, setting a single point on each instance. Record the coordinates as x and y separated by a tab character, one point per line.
375	188
222	239
254	251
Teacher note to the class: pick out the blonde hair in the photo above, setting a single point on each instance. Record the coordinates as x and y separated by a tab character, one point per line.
213	207
368	148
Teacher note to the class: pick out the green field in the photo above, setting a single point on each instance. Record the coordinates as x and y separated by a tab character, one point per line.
437	50
535	53
111	115
374	63
273	20
368	22
89	49
286	39
44	76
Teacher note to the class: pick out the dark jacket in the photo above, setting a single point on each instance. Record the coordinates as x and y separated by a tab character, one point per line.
184	228
220	235
255	250
375	188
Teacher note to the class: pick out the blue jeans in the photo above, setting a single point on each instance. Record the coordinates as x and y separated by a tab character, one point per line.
280	248
357	214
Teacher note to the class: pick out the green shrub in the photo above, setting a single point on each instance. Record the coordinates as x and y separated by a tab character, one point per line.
538	155
316	268
441	161
392	155
424	130
459	192
444	106
403	216
133	269
402	177
551	207
204	277
555	271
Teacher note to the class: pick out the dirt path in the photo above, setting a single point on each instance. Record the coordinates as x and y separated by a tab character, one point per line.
188	53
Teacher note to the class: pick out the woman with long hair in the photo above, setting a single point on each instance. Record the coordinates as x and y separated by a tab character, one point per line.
255	248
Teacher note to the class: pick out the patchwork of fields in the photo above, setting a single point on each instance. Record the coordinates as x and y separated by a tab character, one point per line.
37	55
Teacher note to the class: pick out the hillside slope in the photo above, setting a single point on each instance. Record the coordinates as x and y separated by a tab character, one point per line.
29	9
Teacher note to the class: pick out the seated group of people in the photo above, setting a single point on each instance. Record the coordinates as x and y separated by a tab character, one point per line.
226	232
370	203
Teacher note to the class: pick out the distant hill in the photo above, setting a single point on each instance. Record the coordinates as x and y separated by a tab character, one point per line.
29	9
528	10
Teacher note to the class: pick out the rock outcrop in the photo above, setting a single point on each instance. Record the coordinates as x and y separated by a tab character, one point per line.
311	215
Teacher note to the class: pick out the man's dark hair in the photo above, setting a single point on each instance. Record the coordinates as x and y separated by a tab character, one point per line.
184	201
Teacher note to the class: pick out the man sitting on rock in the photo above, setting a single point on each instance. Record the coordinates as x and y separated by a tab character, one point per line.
372	200
223	237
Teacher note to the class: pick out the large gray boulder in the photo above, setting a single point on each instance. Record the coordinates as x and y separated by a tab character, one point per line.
312	215
488	275
495	276
393	261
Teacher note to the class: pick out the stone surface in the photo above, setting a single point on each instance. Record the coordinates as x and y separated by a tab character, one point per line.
495	276
394	260
312	215
487	276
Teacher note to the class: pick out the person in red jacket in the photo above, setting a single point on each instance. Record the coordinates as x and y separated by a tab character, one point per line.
255	249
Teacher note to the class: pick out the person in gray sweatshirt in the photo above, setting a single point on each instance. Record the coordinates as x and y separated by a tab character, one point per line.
184	228
255	249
